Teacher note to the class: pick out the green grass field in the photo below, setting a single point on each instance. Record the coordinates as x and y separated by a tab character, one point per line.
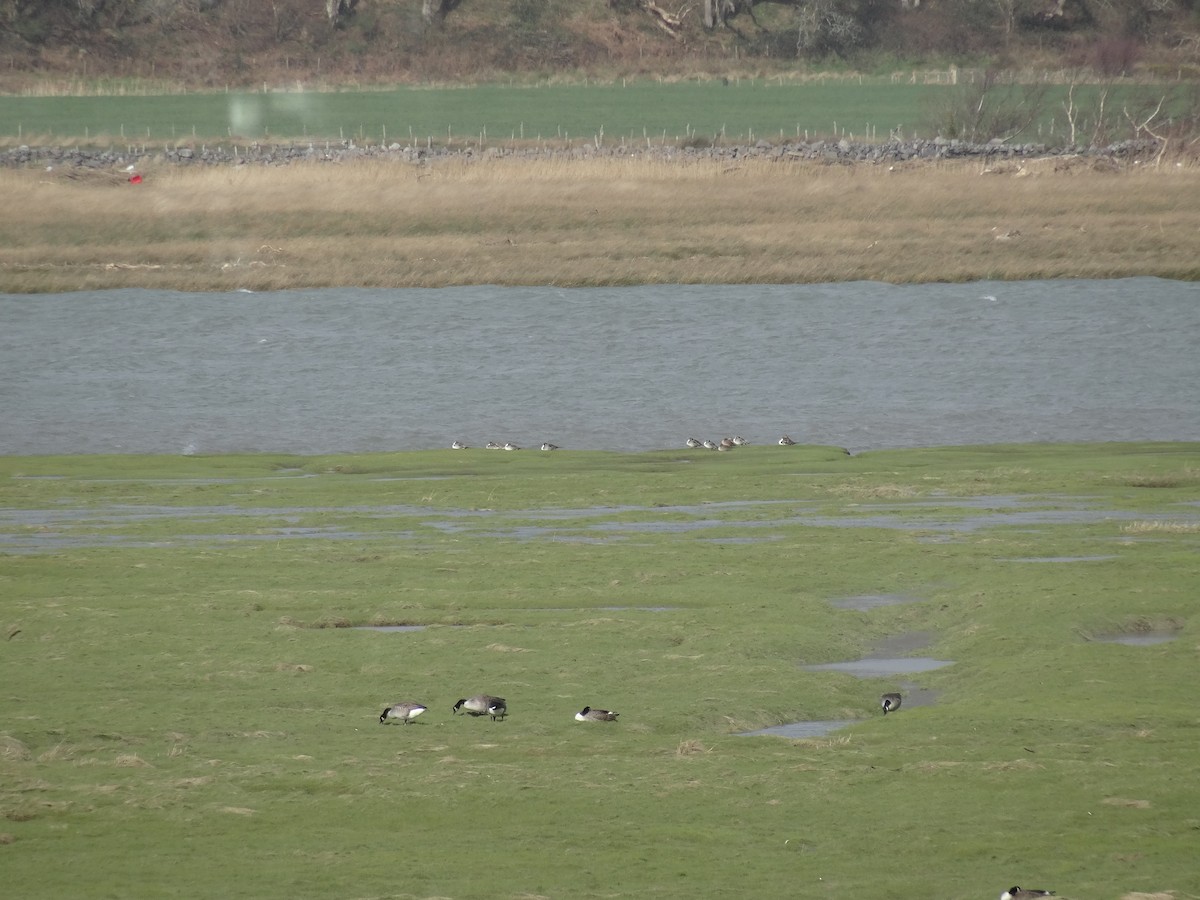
181	717
743	110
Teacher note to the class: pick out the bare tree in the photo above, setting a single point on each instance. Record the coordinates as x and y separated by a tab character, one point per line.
717	13
1144	127
994	108
336	10
670	22
826	28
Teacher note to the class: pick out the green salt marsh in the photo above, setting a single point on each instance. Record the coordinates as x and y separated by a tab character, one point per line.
185	713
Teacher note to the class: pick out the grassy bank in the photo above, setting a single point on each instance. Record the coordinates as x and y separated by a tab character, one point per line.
178	716
514	221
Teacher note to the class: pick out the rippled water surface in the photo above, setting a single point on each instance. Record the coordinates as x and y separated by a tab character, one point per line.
860	365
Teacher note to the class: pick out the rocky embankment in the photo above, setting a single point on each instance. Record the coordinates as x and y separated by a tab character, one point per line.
842	151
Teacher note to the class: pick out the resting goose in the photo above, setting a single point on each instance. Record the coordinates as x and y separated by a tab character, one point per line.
483	705
786	441
459	445
403	712
587	714
1019	893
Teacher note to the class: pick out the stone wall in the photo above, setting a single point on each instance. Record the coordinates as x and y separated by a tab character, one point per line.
842	151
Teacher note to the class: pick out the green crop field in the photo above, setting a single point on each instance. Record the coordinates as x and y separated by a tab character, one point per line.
743	110
185	712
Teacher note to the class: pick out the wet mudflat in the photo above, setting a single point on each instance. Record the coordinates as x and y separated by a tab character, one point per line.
40	530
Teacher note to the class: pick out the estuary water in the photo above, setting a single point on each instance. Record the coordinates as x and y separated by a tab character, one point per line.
860	365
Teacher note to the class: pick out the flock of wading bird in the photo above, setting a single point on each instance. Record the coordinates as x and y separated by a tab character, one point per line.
726	443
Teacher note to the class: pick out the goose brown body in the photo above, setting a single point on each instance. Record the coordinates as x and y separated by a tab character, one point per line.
483	705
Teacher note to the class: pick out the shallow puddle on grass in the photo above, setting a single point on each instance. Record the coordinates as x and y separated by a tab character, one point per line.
882	668
882	662
888	659
866	602
1058	559
922	516
387	628
801	730
914	698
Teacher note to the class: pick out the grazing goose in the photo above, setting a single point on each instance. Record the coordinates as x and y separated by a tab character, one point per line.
549	446
890	702
492	445
739	441
1019	893
587	714
786	441
404	712
483	705
693	443
459	445
511	446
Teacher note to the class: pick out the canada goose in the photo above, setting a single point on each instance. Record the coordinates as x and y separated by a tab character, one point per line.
587	714
739	441
459	445
708	445
890	702
1020	893
693	443
405	712
511	446
549	446
483	705
492	445
786	441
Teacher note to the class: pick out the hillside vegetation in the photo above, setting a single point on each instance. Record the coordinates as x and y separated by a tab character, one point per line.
223	43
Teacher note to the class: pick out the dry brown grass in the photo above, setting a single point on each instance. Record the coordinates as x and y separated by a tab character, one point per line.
510	221
131	761
1126	802
691	747
12	749
862	491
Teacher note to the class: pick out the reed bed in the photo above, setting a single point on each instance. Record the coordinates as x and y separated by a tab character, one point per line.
593	222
